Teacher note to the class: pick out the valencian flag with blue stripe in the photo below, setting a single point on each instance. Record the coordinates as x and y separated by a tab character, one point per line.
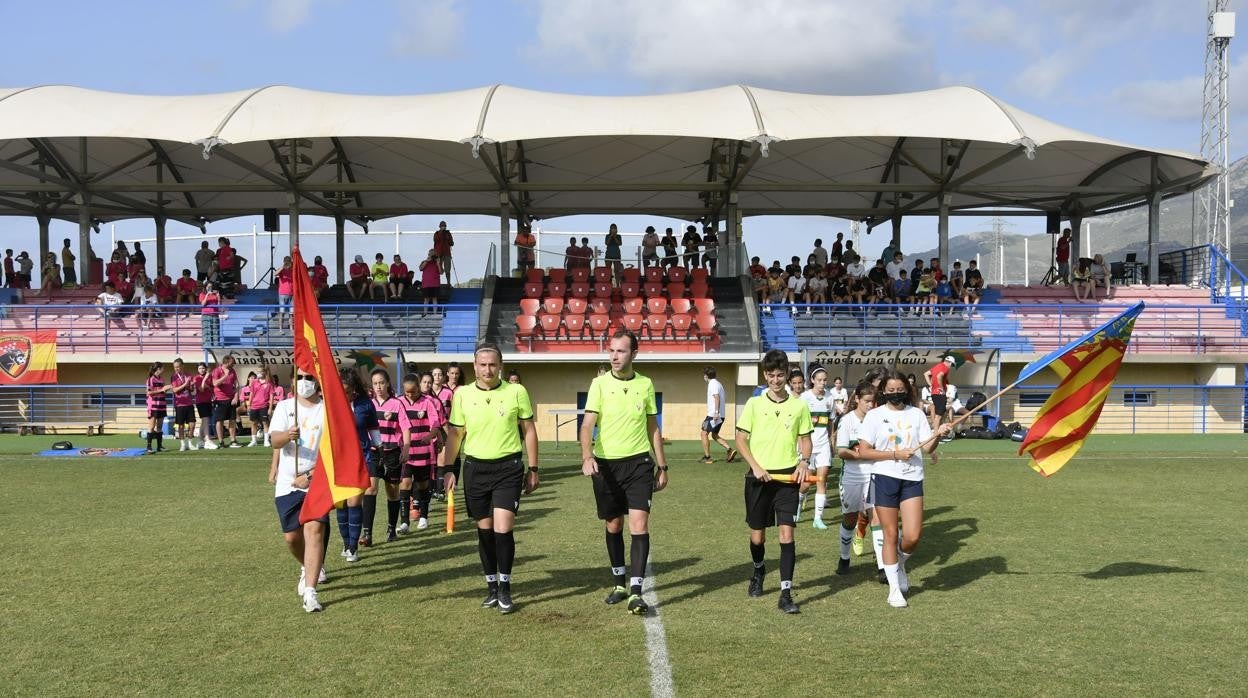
339	473
1086	367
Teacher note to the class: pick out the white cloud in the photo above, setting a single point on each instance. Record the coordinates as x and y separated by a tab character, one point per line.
822	45
428	28
1177	100
284	15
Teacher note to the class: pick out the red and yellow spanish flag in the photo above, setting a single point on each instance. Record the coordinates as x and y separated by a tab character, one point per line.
339	473
1087	367
28	358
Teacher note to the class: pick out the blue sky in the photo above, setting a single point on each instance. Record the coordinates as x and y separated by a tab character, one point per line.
1125	69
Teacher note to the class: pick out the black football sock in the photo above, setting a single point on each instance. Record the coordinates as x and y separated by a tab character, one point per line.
506	544
788	560
392	513
370	515
639	554
488	550
405	502
160	440
422	501
757	550
343	525
615	553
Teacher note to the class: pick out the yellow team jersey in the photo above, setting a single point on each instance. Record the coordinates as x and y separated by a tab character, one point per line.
623	408
774	428
490	419
381	272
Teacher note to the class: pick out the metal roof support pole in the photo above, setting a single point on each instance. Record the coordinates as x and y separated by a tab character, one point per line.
731	243
160	243
504	235
86	258
45	244
1154	221
293	199
340	248
942	232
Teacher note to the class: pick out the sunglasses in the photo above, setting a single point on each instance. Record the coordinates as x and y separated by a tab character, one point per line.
302	377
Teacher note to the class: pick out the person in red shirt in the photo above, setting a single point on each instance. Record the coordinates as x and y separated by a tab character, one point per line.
360	279
116	269
285	291
1063	257
224	403
185	288
229	263
164	287
320	276
443	241
430	280
934	269
398	278
937	378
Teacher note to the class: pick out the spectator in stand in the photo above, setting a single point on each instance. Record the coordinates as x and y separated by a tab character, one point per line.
138	261
858	290
896	266
148	311
526	249
974	284
24	266
795	288
380	275
691	242
1100	276
209	320
916	273
758	276
50	275
186	289
1081	281
398	278
816	290
757	268
10	272
115	270
125	288
938	274
944	292
165	292
320	277
839	289
443	241
903	291
359	278
850	255
430	280
204	257
571	255
820	253
854	269
285	290
670	258
880	281
794	266
812	265
838	245
139	281
109	300
1063	256
68	260
957	280
123	252
777	287
925	293
710	249
649	248
614	242
775	266
889	252
585	255
230	264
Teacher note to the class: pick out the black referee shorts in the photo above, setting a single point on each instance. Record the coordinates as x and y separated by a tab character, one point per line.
223	410
623	484
769	503
492	484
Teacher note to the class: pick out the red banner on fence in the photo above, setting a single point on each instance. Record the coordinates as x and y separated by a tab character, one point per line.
28	358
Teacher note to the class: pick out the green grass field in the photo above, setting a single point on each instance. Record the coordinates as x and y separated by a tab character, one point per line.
1121	575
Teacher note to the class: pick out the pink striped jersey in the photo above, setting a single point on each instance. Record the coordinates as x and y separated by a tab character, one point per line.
261	393
159	400
183	398
424	415
391	421
445	393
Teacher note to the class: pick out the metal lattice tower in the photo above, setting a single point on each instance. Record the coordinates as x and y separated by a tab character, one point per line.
1213	203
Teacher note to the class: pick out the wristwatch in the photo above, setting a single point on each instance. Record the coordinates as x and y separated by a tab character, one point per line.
532	469
662	468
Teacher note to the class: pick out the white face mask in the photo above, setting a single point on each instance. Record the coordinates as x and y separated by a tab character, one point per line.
305	388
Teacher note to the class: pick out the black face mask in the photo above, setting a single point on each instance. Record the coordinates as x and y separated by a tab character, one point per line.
897	398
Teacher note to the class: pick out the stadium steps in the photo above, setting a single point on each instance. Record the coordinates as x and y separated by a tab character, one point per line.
459	326
778	330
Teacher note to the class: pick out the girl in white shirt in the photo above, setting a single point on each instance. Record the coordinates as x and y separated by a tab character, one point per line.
894	438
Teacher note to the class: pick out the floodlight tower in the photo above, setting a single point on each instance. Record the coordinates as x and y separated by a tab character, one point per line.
1214	201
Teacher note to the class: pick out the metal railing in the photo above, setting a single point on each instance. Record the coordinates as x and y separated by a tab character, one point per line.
92	328
1148	408
411	326
38	407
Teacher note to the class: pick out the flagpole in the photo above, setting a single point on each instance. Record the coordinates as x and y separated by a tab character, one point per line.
996	396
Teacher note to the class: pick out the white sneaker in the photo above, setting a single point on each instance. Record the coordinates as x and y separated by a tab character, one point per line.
895	599
903	581
182	446
322	577
352	556
310	603
252	444
403	528
301	586
211	445
200	446
235	444
267	443
344	552
422	524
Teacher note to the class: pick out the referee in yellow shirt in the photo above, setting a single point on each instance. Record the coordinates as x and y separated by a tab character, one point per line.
773	427
621	403
487	419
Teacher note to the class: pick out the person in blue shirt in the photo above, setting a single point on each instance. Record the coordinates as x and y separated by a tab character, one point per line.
351	517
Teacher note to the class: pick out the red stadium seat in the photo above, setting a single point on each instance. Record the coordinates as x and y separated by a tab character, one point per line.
553	305
529	306
705	306
699	290
559	276
676	290
680	305
533	276
574	324
580	289
706	325
657	305
632	275
555	288
681	323
600	306
550	325
698	276
577	306
630	290
656	323
580	275
633	322
633	306
654	275
599	325
653	289
602	290
602	275
533	290
525	327
676	275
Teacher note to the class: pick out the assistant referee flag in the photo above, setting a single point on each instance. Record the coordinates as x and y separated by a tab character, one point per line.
339	473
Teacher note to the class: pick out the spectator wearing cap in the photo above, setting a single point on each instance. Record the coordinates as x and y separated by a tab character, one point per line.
358	281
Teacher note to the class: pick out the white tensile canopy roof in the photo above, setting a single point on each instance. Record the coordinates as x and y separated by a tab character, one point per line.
206	157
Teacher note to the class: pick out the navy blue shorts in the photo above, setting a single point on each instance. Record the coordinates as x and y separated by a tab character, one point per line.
890	492
288	507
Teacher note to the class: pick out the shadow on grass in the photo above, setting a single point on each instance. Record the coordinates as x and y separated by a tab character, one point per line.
464	575
736	575
959	575
1135	569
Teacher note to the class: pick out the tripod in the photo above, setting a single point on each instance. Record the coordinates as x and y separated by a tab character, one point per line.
1051	276
269	276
